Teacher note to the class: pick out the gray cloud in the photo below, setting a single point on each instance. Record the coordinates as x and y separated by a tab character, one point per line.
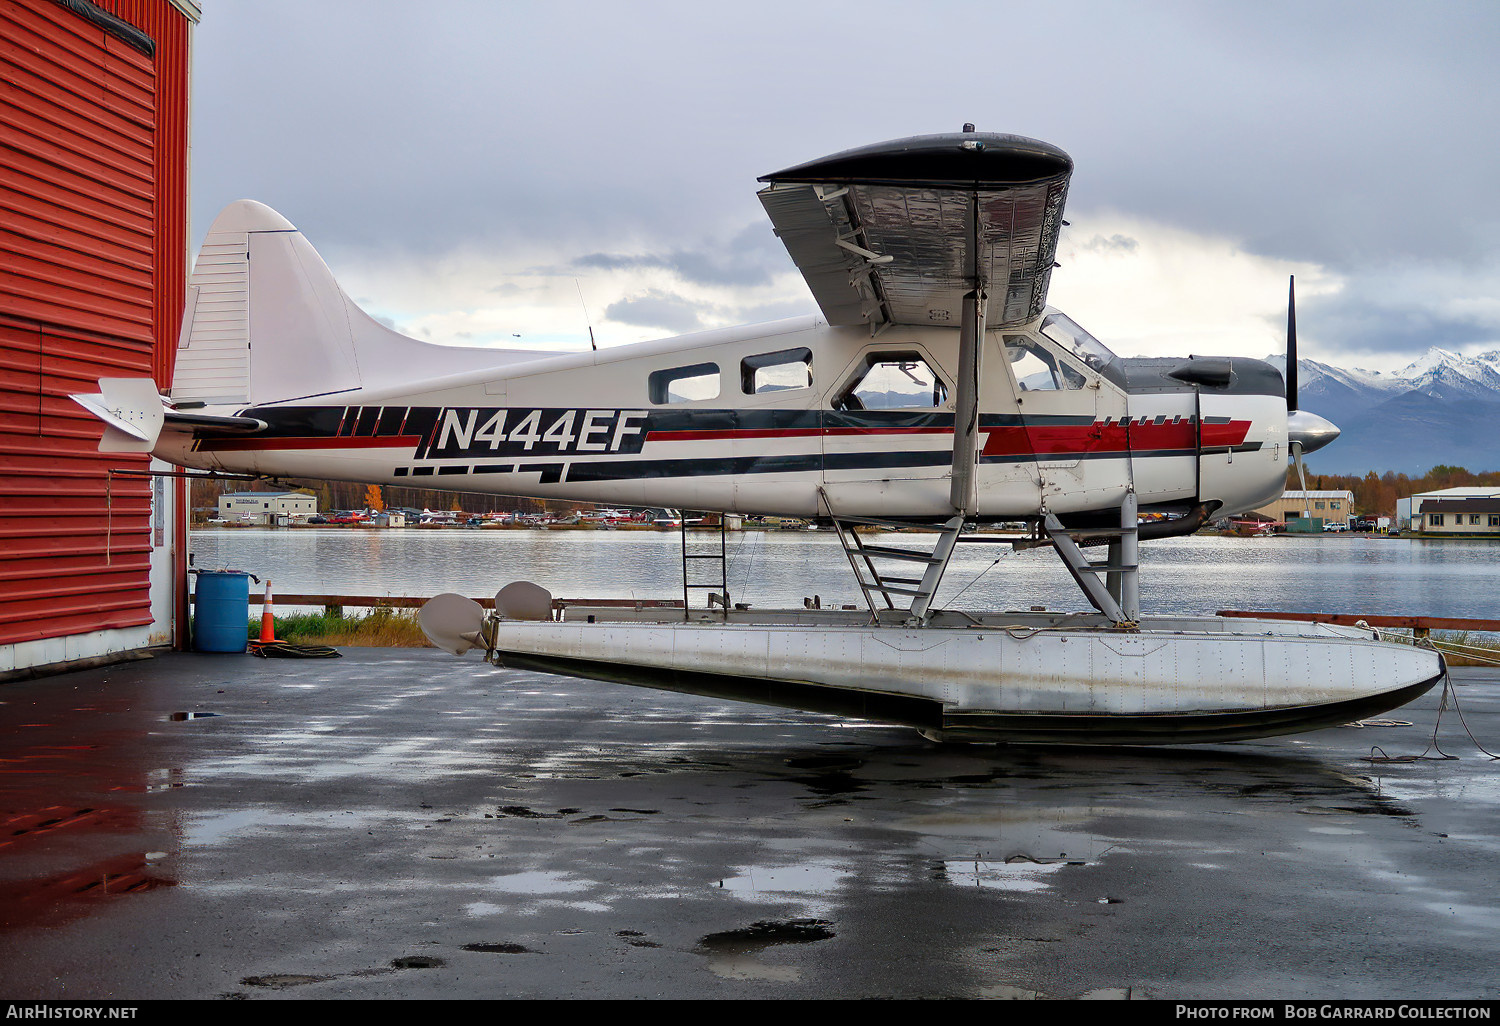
390	322
752	257
1114	244
656	309
1360	140
1357	321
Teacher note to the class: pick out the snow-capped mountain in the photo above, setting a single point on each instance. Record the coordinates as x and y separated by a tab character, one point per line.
1438	373
1440	408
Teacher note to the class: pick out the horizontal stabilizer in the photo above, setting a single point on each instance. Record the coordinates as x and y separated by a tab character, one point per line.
132	412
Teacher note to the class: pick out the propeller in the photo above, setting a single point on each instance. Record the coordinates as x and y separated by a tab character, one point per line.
1306	432
452	622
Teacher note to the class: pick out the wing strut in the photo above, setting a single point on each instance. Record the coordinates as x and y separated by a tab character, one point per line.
964	496
1118	596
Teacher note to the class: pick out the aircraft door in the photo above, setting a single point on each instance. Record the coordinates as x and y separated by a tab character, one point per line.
887	433
1073	422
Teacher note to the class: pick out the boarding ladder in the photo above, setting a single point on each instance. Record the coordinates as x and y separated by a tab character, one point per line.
702	558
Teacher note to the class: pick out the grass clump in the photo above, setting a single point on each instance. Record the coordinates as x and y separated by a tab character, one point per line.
1468	648
381	627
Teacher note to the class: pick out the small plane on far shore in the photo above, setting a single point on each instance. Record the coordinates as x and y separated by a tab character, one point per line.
935	388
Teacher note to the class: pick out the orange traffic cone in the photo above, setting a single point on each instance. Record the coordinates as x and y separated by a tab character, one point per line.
267	621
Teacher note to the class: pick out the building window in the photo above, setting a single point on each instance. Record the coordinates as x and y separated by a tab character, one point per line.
1494	520
1334	504
1474	519
1434	520
1317	505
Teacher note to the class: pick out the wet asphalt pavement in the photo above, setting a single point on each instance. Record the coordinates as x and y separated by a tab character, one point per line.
402	824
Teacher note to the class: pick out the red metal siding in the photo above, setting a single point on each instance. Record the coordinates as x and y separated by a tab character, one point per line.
170	30
93	239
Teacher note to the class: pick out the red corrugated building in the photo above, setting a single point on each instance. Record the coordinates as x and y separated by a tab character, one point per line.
93	271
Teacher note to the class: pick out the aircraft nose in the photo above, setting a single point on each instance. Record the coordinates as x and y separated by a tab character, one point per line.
1310	430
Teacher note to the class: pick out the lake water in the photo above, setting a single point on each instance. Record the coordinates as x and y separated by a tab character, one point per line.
1199	574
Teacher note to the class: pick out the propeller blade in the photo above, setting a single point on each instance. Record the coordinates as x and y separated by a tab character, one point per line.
1291	344
523	600
452	622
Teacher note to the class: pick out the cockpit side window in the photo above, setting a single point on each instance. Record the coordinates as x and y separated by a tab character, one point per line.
1095	354
1038	370
893	381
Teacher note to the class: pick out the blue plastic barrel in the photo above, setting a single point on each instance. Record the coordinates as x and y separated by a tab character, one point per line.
221	611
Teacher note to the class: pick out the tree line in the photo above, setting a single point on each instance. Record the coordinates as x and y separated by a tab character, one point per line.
334	495
1376	494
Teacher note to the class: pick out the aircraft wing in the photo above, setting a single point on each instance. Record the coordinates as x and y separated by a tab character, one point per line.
898	232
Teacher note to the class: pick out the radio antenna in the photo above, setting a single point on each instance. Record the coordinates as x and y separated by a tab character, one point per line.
592	344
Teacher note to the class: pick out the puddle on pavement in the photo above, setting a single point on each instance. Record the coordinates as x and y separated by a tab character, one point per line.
636	939
537	881
501	948
534	890
56	899
812	882
179	717
417	962
1018	876
732	953
281	981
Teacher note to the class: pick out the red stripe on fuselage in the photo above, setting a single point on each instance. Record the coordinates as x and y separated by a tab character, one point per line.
732	433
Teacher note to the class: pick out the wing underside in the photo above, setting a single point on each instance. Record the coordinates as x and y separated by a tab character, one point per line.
897	233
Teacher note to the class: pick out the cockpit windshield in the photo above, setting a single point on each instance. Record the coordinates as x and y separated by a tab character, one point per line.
1062	329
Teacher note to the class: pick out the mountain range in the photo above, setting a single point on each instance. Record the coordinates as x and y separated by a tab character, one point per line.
1441	409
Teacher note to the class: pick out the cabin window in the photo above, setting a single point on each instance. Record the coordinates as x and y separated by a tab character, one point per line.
776	372
685	384
1038	370
893	381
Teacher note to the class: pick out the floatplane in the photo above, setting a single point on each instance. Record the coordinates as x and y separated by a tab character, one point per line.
936	388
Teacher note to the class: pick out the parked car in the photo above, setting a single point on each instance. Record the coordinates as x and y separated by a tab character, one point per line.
1335	526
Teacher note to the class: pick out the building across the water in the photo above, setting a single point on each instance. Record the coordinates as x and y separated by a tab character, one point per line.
1330	506
234	505
1473	515
1409	510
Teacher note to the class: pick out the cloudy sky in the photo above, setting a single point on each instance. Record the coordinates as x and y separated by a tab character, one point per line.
484	172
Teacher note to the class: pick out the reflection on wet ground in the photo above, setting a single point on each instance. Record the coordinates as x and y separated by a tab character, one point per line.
249	828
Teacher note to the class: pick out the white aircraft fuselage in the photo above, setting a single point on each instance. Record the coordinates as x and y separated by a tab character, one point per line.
703	421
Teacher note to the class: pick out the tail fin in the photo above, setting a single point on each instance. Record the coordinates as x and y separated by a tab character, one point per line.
266	323
256	269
